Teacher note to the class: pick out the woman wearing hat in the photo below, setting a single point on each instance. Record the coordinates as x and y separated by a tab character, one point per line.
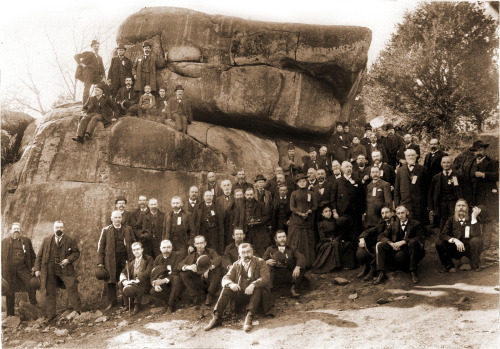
303	203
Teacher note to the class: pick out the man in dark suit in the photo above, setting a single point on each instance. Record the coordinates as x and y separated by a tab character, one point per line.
90	69
145	67
179	109
460	237
98	108
246	282
411	188
127	99
408	144
400	246
347	203
165	277
366	137
481	177
137	274
432	160
339	143
212	186
231	251
193	199
324	160
392	144
55	265
365	254
18	259
387	172
151	229
265	197
121	205
114	250
287	265
444	191
322	188
225	207
281	209
199	276
375	145
120	68
142	209
378	195
207	221
360	170
178	227
311	162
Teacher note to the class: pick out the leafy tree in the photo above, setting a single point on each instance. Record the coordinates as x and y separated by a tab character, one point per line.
440	67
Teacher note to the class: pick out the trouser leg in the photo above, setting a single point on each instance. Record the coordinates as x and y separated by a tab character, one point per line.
192	283
51	291
363	256
175	289
475	246
93	123
82	125
446	251
225	296
10	300
184	122
254	301
214	280
111	293
416	254
383	251
86	92
72	291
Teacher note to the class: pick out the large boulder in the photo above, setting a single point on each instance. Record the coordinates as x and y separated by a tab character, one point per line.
13	127
255	75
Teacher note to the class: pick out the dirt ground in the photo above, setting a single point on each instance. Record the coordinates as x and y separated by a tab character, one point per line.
443	311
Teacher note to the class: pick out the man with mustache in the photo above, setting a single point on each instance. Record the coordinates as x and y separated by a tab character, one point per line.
145	67
120	68
90	69
433	160
127	99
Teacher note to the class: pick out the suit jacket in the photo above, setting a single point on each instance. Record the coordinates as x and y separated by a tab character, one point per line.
171	262
354	151
411	190
217	190
435	190
103	106
371	234
374	203
290	166
393	146
69	250
433	162
453	229
93	73
196	223
192	257
182	108
414	231
268	204
258	214
148	66
118	71
347	198
293	256
482	191
106	254
145	269
126	218
358	174
187	237
323	191
130	95
134	218
29	257
230	256
258	273
387	173
309	163
190	208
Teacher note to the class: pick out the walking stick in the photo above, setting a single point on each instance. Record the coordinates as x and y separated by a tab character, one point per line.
128	278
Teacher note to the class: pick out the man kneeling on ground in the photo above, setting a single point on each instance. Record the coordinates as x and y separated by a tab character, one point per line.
244	283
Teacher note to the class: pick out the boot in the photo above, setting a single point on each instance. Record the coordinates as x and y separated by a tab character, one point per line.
294	293
363	272
214	322
77	139
137	309
247	326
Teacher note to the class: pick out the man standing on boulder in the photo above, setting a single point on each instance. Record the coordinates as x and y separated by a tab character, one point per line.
120	68
179	109
144	69
90	69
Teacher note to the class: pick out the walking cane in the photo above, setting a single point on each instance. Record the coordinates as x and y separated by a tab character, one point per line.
128	278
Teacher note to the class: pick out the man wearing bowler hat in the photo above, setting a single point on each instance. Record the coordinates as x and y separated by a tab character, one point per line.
120	68
481	175
144	68
179	110
90	69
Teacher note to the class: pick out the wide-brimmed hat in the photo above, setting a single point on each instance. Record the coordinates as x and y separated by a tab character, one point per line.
94	42
389	126
259	177
101	274
120	198
311	149
179	87
368	126
131	291
160	272
121	47
478	144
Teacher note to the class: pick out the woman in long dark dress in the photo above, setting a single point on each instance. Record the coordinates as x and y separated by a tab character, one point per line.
303	203
328	252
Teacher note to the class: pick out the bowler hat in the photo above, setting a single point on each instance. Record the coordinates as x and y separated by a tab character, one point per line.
311	149
389	126
259	177
99	86
368	126
479	144
120	198
146	43
300	176
102	274
35	283
160	272
179	87
94	42
121	47
202	264
290	146
131	290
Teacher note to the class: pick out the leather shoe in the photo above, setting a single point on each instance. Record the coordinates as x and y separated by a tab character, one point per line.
137	309
247	325
170	309
87	136
364	271
78	139
109	307
380	278
213	323
208	300
414	277
294	293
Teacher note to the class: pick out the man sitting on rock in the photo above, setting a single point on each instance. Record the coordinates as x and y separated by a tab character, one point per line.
99	108
461	236
127	99
400	246
245	284
146	102
287	265
201	275
165	277
134	278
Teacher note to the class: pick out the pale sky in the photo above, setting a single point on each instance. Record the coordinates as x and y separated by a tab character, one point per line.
25	27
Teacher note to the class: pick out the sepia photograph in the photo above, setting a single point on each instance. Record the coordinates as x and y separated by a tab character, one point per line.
272	174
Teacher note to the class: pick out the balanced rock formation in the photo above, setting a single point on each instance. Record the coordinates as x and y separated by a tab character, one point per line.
255	75
14	125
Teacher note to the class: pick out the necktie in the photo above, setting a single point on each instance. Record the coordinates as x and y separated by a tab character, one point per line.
58	241
462	222
403	226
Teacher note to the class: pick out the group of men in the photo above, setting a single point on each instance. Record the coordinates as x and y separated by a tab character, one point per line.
130	89
238	241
